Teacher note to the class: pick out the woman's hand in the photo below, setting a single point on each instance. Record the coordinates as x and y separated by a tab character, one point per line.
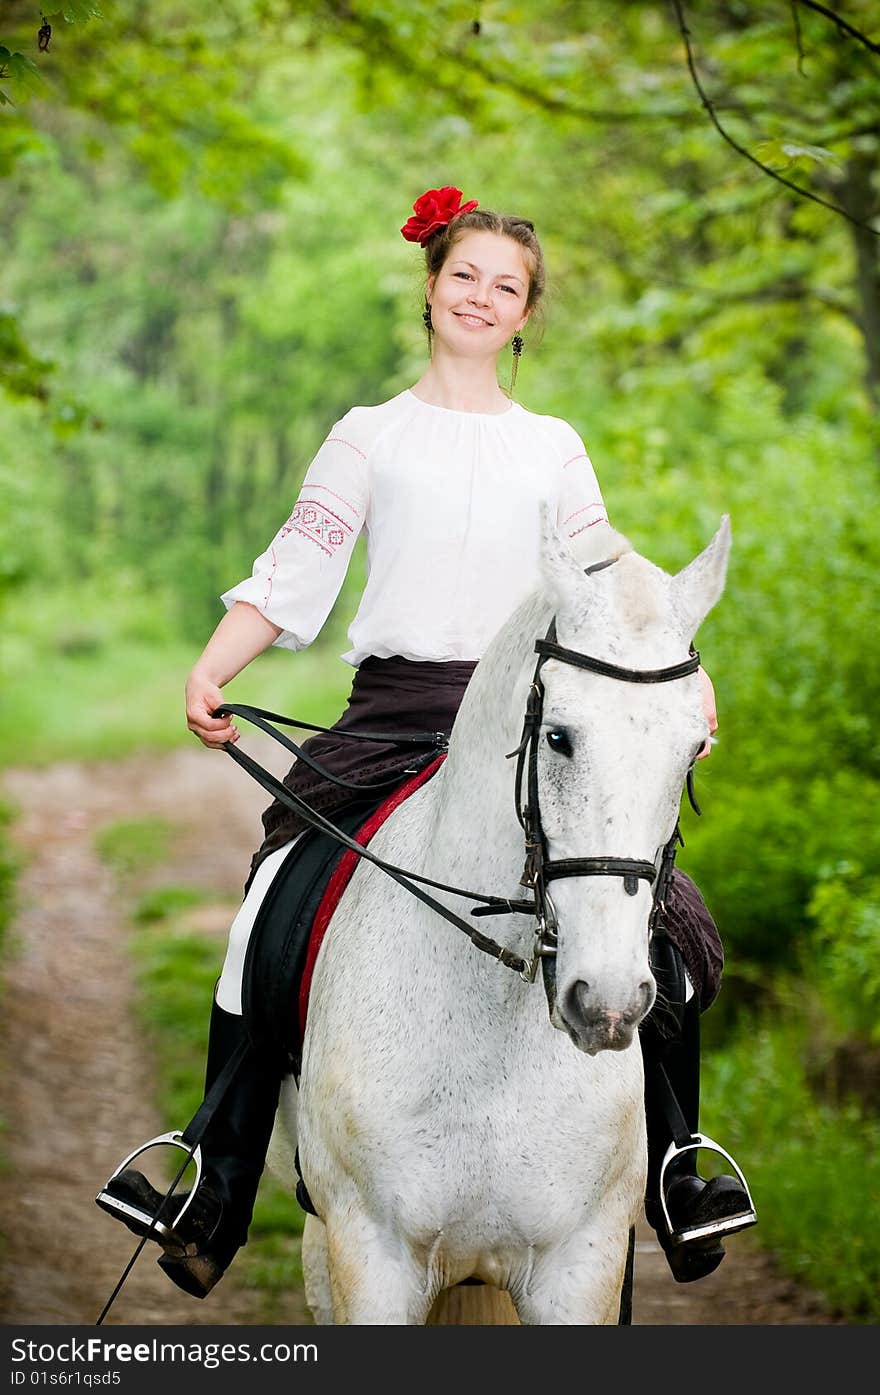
202	697
243	633
708	695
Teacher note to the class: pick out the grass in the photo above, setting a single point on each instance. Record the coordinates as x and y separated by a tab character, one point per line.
131	845
166	902
814	1170
10	864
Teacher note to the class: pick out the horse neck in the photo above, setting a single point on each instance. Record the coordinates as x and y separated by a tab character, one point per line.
475	825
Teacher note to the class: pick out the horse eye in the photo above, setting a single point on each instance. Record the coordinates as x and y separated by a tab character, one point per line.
558	741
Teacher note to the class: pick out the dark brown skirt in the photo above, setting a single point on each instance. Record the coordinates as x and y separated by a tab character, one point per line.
406	696
394	695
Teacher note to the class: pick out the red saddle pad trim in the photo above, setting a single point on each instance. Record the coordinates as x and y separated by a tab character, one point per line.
343	874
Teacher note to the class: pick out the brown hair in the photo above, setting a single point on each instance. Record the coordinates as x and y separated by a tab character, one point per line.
520	230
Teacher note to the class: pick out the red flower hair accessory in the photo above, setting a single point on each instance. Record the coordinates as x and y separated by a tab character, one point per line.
433	211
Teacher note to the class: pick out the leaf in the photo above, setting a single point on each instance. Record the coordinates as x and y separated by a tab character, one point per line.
810	152
24	71
786	154
80	12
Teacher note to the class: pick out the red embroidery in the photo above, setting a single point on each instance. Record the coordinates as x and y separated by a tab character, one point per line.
596	504
342	441
347	502
270	578
582	456
601	518
312	520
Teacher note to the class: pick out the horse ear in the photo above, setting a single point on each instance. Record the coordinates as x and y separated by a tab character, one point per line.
698	586
563	562
563	574
596	543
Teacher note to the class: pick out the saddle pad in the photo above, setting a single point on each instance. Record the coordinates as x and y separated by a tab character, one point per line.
282	949
342	876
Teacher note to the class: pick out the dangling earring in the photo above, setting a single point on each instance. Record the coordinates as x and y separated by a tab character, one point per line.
517	346
427	319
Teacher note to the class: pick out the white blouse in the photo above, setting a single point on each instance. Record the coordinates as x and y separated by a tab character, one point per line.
449	502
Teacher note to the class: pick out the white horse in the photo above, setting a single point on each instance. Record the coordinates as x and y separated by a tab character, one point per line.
449	1126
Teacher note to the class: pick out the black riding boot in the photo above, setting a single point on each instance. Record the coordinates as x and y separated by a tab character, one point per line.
699	1211
199	1247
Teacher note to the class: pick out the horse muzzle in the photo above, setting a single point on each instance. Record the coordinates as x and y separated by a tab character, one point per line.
592	1025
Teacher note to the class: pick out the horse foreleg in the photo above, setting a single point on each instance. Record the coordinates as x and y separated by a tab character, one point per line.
580	1282
372	1279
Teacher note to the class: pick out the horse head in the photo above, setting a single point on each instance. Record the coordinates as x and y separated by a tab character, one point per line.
611	757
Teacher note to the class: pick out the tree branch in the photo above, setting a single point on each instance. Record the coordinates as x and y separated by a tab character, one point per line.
383	43
796	20
740	149
842	24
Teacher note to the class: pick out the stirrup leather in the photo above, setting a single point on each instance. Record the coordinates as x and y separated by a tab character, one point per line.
125	1211
724	1225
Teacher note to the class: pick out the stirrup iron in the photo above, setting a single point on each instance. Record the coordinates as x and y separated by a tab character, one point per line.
724	1225
127	1212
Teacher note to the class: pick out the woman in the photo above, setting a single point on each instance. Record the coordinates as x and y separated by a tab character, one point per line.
451	472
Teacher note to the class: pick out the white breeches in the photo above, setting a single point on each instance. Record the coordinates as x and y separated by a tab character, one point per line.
228	992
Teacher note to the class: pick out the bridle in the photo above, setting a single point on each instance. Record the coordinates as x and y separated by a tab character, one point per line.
539	868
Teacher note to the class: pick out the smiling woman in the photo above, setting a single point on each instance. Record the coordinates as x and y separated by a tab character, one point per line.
485	276
449	480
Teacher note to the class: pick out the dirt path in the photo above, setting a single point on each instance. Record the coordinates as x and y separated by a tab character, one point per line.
76	1085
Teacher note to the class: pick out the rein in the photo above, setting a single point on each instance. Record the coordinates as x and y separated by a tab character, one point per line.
539	869
436	740
311	817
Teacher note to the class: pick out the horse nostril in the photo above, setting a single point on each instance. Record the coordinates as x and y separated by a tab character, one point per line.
577	1001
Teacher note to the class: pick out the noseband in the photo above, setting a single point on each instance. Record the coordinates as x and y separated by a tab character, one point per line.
539	868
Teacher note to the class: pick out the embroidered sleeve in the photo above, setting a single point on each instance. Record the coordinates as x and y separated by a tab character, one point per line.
580	499
295	582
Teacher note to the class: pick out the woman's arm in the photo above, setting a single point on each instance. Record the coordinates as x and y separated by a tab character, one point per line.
241	635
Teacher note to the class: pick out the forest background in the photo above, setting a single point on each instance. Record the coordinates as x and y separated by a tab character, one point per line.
201	271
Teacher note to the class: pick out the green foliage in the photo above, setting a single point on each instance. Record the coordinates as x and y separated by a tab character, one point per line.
844	959
762	844
21	373
814	1171
21	72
